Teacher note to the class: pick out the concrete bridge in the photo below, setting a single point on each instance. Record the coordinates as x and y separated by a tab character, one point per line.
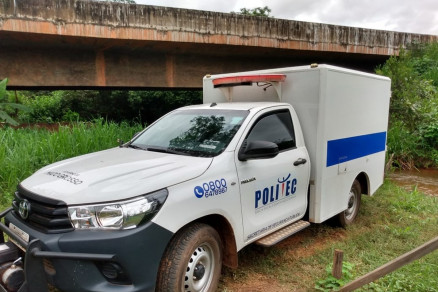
91	44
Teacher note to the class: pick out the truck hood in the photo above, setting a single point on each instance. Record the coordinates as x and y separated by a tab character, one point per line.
112	175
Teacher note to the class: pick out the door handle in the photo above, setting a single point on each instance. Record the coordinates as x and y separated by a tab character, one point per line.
300	161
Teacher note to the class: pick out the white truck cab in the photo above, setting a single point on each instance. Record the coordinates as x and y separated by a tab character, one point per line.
267	153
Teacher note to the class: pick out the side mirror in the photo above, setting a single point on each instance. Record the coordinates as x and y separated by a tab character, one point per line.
257	150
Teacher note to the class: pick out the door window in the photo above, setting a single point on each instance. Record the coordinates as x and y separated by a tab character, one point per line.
274	127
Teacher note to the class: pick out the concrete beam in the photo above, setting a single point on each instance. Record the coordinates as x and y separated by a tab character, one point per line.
74	43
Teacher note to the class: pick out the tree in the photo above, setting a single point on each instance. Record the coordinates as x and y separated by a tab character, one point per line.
5	105
123	1
414	77
258	11
413	123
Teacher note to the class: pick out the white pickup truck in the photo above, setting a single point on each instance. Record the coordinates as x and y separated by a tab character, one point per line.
266	154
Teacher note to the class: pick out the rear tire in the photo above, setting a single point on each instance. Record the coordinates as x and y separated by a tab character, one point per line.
192	261
348	216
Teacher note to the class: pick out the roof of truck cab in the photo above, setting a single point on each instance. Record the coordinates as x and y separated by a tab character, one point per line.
237	105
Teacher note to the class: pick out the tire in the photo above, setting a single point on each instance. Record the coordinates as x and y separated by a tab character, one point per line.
347	217
192	261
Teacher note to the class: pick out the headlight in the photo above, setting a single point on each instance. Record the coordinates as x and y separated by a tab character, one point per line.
119	215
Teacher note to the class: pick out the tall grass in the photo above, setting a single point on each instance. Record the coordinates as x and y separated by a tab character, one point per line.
23	151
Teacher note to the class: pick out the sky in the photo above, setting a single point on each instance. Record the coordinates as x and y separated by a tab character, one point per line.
413	16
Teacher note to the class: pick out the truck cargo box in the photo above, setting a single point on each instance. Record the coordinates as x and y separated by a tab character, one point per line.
343	115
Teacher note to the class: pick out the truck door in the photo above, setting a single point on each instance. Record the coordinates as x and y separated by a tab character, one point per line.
273	190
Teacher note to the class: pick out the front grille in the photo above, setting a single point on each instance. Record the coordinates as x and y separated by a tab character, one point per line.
46	215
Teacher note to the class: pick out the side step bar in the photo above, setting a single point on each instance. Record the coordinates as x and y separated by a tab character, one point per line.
282	233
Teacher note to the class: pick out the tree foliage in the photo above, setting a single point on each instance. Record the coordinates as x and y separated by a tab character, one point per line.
113	105
413	124
6	107
258	11
123	1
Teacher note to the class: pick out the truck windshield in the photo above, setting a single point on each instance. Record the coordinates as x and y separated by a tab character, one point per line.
202	133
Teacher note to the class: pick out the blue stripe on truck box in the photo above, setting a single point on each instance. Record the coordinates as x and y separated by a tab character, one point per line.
346	149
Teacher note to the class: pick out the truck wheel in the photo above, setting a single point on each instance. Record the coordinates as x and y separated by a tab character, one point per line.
192	261
347	217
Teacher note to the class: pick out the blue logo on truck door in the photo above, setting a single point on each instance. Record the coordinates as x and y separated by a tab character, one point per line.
284	188
211	188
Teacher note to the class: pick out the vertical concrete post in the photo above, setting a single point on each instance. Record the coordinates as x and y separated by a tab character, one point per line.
170	70
100	68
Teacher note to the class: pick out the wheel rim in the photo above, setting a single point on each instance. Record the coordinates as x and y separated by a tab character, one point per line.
200	269
352	206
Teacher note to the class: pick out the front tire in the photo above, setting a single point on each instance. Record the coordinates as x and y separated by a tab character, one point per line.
192	261
348	216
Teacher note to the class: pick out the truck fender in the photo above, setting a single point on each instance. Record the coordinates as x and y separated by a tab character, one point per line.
223	227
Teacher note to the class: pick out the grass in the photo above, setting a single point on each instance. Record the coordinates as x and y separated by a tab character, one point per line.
391	223
23	151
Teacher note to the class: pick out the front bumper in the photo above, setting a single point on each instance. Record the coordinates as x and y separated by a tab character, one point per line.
76	260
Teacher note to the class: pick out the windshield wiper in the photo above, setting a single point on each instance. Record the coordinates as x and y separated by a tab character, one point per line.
167	150
135	146
162	150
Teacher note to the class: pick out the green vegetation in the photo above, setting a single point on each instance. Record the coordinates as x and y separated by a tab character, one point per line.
258	11
23	151
390	223
124	1
120	1
114	105
413	126
7	108
331	283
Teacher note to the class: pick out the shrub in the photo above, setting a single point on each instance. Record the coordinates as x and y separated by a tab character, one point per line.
413	122
44	108
7	108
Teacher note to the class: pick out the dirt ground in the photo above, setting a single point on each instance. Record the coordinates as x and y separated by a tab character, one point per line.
298	246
